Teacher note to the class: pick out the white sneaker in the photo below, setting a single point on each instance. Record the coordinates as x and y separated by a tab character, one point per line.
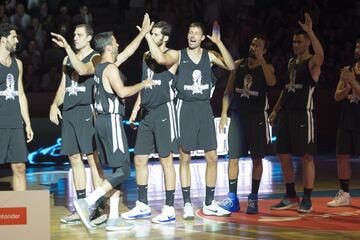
188	211
215	210
72	218
141	210
118	224
167	215
341	199
82	208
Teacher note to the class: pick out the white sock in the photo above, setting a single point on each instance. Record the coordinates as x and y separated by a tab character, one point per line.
95	195
114	207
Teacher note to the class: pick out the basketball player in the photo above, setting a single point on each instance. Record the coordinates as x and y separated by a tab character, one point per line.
296	133
348	135
158	126
13	109
246	96
110	136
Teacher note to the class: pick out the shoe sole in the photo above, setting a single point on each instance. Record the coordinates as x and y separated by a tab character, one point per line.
252	213
304	211
341	205
286	207
167	222
189	218
214	214
119	229
136	217
81	215
76	222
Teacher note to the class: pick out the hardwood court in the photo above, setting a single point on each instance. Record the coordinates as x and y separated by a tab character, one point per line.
322	223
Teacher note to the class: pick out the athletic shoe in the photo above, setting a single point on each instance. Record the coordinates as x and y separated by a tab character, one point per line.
305	206
188	211
72	218
82	208
167	215
252	204
231	203
341	199
118	224
141	210
215	210
99	220
286	203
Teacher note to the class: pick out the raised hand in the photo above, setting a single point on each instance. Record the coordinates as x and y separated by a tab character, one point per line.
146	24
59	40
259	51
215	37
307	25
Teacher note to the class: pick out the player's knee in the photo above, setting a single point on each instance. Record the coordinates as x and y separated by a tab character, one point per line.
76	160
140	162
18	168
233	163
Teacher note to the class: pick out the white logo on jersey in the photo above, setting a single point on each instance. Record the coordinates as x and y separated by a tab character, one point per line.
75	88
292	86
246	91
196	87
9	92
96	79
150	75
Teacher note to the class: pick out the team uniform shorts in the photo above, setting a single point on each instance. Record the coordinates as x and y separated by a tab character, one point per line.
195	124
13	145
157	130
77	131
296	133
248	132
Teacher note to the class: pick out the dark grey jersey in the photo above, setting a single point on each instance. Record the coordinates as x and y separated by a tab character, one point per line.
105	102
161	92
78	89
350	110
250	89
195	82
10	114
299	88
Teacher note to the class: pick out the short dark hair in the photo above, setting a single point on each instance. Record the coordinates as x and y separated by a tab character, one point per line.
358	40
88	29
165	27
102	40
301	32
262	37
5	29
198	25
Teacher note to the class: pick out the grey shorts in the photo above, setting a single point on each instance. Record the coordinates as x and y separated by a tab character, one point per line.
196	128
12	145
157	131
77	131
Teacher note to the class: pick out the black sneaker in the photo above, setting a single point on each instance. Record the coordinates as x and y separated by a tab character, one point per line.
305	206
98	217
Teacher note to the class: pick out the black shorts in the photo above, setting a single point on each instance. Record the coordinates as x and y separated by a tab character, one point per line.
12	146
296	133
77	131
348	142
196	128
111	140
157	130
248	132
